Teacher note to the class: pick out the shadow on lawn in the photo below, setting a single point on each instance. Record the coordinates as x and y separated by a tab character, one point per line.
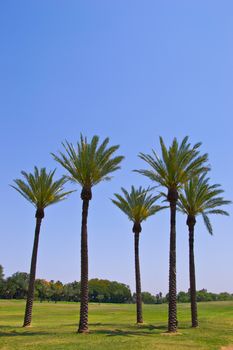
126	330
107	329
21	334
18	332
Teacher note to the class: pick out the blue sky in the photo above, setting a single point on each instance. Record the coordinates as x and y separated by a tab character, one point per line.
130	70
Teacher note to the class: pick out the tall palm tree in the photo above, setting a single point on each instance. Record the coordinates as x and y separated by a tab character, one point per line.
87	164
41	190
178	164
138	205
199	198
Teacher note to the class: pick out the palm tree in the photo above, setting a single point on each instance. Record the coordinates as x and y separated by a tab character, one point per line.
41	190
199	198
87	164
138	205
178	164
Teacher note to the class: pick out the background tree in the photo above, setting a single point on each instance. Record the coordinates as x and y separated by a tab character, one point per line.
138	205
87	164
57	291
1	273
159	298
108	291
183	297
72	291
17	285
179	164
42	290
41	190
2	282
148	298
199	198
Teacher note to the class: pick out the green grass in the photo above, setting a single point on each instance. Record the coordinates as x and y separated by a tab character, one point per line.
112	326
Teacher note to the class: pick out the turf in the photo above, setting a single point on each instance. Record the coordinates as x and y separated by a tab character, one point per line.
112	326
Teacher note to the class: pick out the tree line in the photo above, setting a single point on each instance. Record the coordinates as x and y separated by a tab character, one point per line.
100	291
181	171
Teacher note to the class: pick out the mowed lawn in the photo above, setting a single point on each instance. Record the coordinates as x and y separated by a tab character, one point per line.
112	326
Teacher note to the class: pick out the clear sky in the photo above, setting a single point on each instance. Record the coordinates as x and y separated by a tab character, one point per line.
130	70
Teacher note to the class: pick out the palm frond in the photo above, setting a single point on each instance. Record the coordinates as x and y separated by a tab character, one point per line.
87	163
179	163
138	204
207	223
201	197
218	211
40	189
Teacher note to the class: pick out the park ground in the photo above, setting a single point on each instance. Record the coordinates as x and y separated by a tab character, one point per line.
112	326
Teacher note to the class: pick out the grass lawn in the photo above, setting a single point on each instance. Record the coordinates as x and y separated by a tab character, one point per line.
112	326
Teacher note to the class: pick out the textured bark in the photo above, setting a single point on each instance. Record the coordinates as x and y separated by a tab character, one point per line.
192	278
137	229
30	295
172	309
83	322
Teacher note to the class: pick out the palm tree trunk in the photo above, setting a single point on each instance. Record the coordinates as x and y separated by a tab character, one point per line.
137	231
30	294
192	278
83	322
172	310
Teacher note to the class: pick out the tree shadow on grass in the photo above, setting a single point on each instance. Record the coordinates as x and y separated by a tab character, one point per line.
22	334
114	329
118	332
107	329
7	326
17	331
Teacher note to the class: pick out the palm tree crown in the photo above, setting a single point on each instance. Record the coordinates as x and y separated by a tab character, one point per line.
138	205
88	163
178	164
201	198
40	189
